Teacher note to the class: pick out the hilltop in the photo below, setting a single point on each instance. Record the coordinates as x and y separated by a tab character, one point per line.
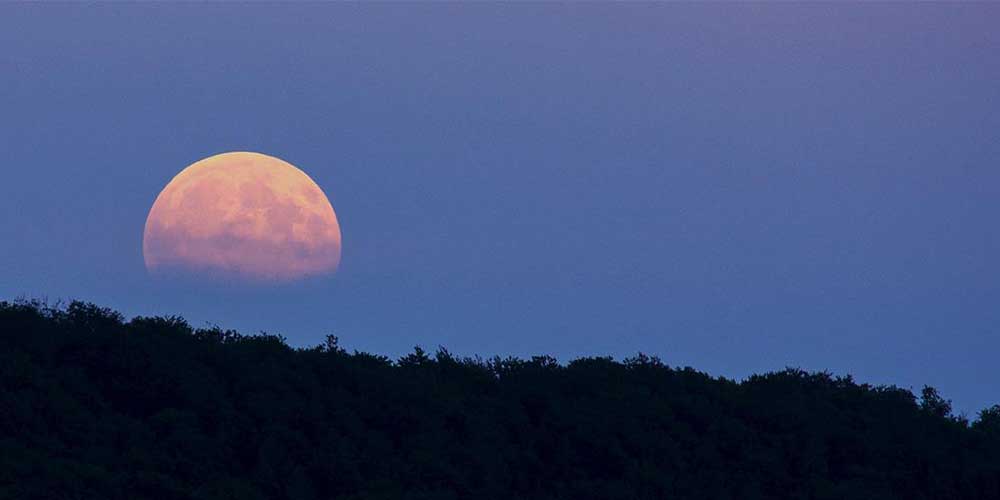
96	406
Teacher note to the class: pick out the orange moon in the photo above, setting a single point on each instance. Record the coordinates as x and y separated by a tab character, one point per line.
242	215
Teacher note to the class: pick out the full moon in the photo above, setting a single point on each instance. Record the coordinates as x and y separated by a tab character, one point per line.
242	215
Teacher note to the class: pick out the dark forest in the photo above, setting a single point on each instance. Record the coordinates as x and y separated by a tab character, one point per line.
94	406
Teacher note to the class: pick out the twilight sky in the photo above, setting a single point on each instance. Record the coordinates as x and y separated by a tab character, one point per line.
735	188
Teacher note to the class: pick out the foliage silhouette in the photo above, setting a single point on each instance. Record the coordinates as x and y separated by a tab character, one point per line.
94	406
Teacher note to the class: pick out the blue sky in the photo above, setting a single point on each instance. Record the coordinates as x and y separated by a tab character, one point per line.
735	188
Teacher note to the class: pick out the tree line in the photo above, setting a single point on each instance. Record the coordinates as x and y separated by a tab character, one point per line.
94	406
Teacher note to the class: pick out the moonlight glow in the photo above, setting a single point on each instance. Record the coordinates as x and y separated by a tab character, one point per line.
246	215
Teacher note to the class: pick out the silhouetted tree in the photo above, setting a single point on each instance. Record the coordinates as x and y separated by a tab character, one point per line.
989	421
933	403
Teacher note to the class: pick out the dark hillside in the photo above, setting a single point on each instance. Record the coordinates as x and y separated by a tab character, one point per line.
94	407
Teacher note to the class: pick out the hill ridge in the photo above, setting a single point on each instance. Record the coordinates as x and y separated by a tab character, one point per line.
94	406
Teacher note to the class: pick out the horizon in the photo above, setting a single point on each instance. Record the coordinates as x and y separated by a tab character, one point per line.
44	306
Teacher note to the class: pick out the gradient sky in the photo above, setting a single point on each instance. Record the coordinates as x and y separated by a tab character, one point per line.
735	188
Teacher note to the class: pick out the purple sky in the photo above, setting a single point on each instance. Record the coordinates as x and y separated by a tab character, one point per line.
736	188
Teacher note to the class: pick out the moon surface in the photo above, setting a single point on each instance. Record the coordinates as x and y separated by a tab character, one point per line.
242	215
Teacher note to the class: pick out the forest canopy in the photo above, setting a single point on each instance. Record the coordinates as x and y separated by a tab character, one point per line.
96	406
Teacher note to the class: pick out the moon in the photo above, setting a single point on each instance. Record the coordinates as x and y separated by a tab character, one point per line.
242	215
